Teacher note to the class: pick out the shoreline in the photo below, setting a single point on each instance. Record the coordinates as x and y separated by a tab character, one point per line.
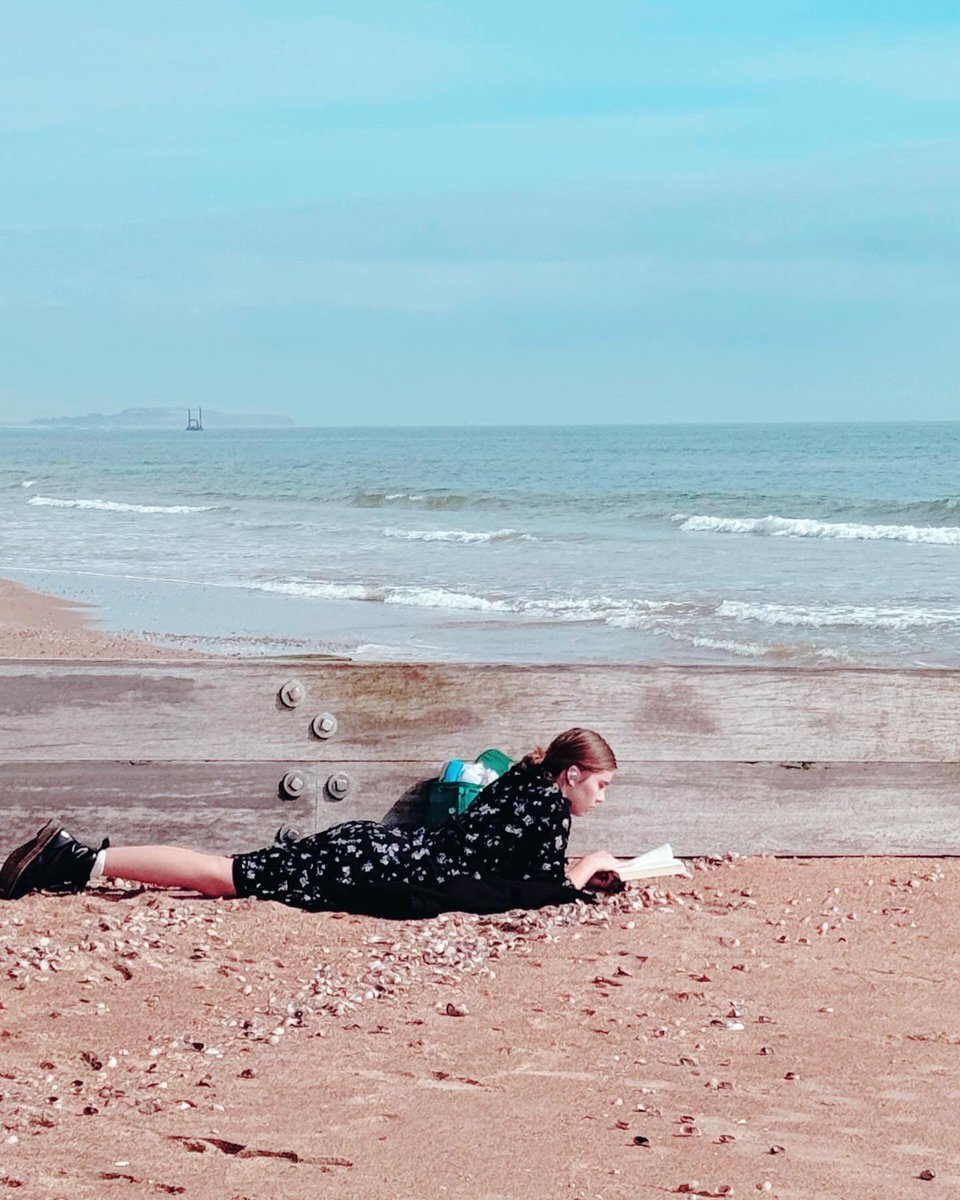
39	620
37	625
129	616
222	620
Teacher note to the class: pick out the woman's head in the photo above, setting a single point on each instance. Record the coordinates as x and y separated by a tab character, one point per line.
581	763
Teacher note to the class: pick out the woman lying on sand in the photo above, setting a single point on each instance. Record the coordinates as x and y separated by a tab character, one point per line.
516	830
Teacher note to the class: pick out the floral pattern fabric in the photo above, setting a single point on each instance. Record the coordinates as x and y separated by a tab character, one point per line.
517	828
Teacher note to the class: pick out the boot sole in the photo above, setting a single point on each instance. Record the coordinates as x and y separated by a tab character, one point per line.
21	859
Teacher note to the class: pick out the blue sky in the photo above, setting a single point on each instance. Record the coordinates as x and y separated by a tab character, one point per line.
383	213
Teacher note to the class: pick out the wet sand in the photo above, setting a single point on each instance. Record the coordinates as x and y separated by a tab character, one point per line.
33	625
791	1023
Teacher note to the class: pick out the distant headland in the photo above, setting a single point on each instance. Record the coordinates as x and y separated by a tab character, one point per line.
168	417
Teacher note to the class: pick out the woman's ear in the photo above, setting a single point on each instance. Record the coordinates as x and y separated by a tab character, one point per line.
573	775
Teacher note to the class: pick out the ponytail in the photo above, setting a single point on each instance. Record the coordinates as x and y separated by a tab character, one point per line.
534	758
576	747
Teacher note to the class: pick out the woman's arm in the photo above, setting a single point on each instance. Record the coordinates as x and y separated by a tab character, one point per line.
580	872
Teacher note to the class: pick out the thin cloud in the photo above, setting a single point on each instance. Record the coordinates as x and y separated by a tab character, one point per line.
916	67
81	67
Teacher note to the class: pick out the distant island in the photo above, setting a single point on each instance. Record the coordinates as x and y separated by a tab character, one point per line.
169	418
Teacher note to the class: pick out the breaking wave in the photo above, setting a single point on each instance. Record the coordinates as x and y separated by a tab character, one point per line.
945	509
838	615
464	537
424	597
438	501
319	591
776	652
413	597
801	527
622	613
117	506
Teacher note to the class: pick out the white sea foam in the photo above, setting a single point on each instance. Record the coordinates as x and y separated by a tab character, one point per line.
838	615
425	597
802	527
779	651
465	537
117	506
411	597
28	483
776	651
681	621
318	590
727	646
624	613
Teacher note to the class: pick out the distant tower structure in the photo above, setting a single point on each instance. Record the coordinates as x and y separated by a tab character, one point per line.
194	423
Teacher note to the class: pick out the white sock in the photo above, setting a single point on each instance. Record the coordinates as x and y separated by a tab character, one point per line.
99	863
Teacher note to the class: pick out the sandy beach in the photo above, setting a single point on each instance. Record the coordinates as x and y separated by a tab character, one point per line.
768	1027
33	625
783	1026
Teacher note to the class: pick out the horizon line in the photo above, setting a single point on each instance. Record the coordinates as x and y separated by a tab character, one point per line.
62	423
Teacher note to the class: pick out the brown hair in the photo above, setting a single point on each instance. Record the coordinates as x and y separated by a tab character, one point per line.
576	747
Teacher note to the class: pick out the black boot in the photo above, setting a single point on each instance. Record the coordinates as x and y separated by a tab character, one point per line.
52	861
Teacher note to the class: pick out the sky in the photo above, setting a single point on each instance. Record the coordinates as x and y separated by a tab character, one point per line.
481	212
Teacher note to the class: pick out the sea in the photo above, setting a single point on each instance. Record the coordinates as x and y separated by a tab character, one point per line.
771	544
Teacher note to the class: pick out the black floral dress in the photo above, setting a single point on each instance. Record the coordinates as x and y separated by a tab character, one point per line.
517	829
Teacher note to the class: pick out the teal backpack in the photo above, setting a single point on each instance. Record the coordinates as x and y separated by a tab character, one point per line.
450	795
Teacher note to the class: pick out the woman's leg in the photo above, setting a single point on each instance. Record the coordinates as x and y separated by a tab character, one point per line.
171	866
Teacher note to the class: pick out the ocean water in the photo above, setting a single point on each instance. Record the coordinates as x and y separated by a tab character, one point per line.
765	544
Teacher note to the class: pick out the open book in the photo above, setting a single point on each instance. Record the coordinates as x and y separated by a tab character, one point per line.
659	861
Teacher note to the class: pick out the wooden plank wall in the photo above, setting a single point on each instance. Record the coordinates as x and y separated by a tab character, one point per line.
783	761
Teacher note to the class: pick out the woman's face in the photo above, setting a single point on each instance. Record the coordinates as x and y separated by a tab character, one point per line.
584	789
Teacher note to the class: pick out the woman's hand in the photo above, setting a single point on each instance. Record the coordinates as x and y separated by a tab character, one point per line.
581	871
